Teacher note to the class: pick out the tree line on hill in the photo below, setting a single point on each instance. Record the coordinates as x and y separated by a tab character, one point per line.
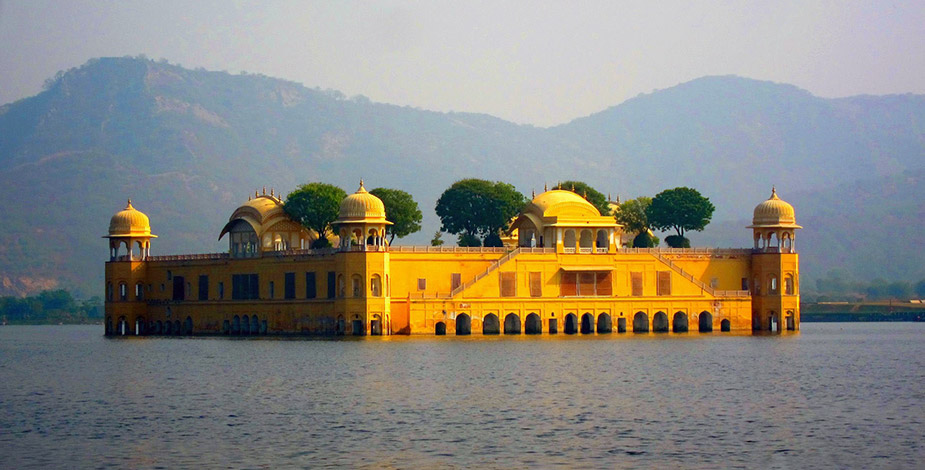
50	306
838	286
479	211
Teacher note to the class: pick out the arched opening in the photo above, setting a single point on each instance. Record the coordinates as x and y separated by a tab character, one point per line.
553	326
242	240
139	291
773	242
158	327
226	327
725	325
586	240
358	328
571	324
512	324
587	324
356	286
245	325
788	285
263	327
660	322
168	328
188	326
774	322
621	325
375	325
640	322
604	323
236	325
533	325
705	322
772	284
440	328
109	291
463	324
491	325
790	321
341	286
123	291
603	240
679	324
375	285
568	240
177	328
788	244
255	325
140	326
341	328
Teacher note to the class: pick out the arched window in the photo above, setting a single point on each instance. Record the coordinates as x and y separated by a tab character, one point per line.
772	284
568	241
375	285
603	239
139	291
586	240
788	285
123	291
357	285
109	291
341	286
788	244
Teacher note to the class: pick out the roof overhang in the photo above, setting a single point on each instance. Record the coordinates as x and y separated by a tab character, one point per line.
586	268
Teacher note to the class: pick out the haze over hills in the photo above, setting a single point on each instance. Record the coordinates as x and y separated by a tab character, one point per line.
188	146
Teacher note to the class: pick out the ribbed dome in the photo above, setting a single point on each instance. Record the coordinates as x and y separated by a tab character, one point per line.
361	205
129	222
556	201
774	212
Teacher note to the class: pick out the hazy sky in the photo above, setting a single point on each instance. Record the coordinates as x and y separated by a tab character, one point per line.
533	62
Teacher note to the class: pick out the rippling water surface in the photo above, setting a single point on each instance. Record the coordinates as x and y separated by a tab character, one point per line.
835	395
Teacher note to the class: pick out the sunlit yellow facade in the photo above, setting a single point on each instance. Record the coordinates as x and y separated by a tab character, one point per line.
565	273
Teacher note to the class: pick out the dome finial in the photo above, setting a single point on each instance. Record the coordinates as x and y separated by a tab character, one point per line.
532	194
545	188
264	190
272	192
129	204
774	192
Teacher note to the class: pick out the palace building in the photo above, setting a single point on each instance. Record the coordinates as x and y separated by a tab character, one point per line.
565	272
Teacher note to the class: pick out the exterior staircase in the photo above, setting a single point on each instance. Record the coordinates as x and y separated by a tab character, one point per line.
686	275
497	264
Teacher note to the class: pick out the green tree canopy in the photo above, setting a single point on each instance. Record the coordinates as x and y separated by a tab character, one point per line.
400	209
680	209
632	214
478	207
595	197
315	205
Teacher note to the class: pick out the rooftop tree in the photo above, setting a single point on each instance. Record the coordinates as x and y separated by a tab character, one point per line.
477	208
680	209
400	209
315	205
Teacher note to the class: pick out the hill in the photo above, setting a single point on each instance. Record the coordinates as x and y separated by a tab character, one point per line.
189	145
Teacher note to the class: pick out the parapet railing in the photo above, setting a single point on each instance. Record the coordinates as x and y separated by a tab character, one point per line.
301	252
688	251
446	249
191	257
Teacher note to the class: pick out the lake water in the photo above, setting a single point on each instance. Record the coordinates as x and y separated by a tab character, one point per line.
833	396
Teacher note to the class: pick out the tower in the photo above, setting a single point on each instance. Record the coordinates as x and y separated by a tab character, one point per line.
125	273
363	265
775	267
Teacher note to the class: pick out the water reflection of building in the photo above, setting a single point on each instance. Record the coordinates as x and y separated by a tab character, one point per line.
566	274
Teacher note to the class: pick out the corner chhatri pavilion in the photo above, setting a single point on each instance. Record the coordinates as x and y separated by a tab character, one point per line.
564	272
